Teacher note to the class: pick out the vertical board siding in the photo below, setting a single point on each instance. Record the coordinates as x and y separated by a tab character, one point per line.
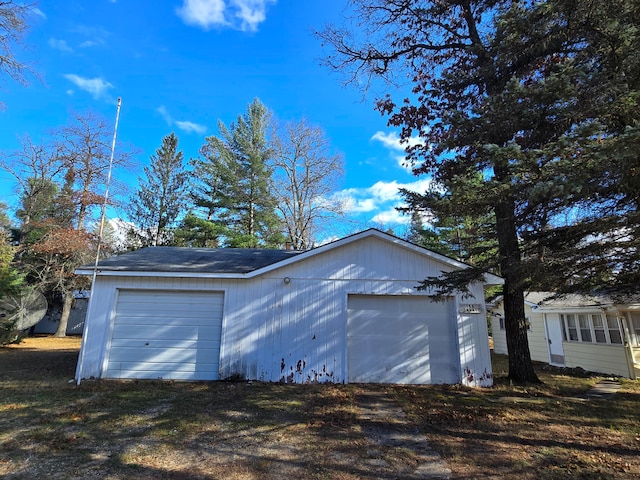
296	332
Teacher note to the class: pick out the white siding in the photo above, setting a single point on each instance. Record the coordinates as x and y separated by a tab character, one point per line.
296	331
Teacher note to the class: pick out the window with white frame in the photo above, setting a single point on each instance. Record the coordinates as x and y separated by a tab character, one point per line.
635	326
591	328
501	321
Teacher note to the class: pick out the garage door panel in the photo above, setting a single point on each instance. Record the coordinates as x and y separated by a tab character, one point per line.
166	334
162	355
155	320
155	343
160	375
397	339
163	332
143	309
154	367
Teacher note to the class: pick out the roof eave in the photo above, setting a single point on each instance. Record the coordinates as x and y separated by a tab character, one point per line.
181	274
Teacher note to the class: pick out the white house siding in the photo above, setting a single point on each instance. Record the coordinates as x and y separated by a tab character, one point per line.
296	331
610	359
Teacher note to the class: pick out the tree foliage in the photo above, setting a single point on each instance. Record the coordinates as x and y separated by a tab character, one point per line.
161	196
233	175
59	182
526	112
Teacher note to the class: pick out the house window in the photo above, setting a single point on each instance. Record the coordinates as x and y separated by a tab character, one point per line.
635	326
598	329
614	330
501	319
591	328
572	330
585	328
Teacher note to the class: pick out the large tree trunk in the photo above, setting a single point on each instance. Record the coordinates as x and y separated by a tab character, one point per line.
520	365
64	317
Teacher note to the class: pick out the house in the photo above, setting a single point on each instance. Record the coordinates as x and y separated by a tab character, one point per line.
347	311
590	332
75	324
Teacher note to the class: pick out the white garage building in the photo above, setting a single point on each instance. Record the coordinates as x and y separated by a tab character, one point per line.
344	312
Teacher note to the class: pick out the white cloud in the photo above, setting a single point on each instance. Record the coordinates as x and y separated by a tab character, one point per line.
97	87
203	13
191	127
90	43
380	200
244	15
391	141
60	45
162	110
391	217
39	12
184	125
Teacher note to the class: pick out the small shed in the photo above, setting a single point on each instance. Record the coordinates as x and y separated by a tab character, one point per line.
592	332
347	311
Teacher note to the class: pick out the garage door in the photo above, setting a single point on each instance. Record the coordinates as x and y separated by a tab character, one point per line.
166	334
399	339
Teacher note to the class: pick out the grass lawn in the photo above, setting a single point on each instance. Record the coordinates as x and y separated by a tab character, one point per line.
52	428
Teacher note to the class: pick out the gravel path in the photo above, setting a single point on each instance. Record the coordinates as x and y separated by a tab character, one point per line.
386	426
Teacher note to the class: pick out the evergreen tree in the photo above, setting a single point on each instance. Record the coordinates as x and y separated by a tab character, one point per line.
234	177
161	196
527	112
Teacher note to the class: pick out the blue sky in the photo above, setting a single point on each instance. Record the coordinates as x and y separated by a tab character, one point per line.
182	65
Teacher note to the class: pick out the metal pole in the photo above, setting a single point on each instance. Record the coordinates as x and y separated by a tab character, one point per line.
100	230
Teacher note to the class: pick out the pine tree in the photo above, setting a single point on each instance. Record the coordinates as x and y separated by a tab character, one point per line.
234	182
161	197
526	113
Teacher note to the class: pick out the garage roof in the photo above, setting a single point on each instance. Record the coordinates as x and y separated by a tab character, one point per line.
193	260
240	262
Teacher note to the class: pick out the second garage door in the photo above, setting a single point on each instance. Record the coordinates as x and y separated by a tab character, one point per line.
166	334
400	339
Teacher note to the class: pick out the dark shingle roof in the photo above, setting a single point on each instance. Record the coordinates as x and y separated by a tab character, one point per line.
193	260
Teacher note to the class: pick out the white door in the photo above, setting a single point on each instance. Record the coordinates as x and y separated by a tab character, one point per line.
165	335
553	325
401	339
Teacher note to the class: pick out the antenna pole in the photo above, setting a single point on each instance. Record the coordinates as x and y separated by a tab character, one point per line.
106	194
100	230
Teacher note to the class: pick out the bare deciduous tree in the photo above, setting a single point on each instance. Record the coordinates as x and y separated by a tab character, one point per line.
85	148
13	26
306	173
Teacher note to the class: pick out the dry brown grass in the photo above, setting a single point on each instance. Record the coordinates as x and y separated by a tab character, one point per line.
106	429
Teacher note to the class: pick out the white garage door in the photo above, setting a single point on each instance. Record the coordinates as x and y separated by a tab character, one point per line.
399	339
166	334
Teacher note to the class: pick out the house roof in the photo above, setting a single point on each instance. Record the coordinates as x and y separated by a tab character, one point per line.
239	262
549	301
193	260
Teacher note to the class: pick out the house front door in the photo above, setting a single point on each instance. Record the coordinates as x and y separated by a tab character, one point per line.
553	326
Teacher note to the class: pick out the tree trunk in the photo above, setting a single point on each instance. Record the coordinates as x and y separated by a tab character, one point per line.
520	365
64	317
